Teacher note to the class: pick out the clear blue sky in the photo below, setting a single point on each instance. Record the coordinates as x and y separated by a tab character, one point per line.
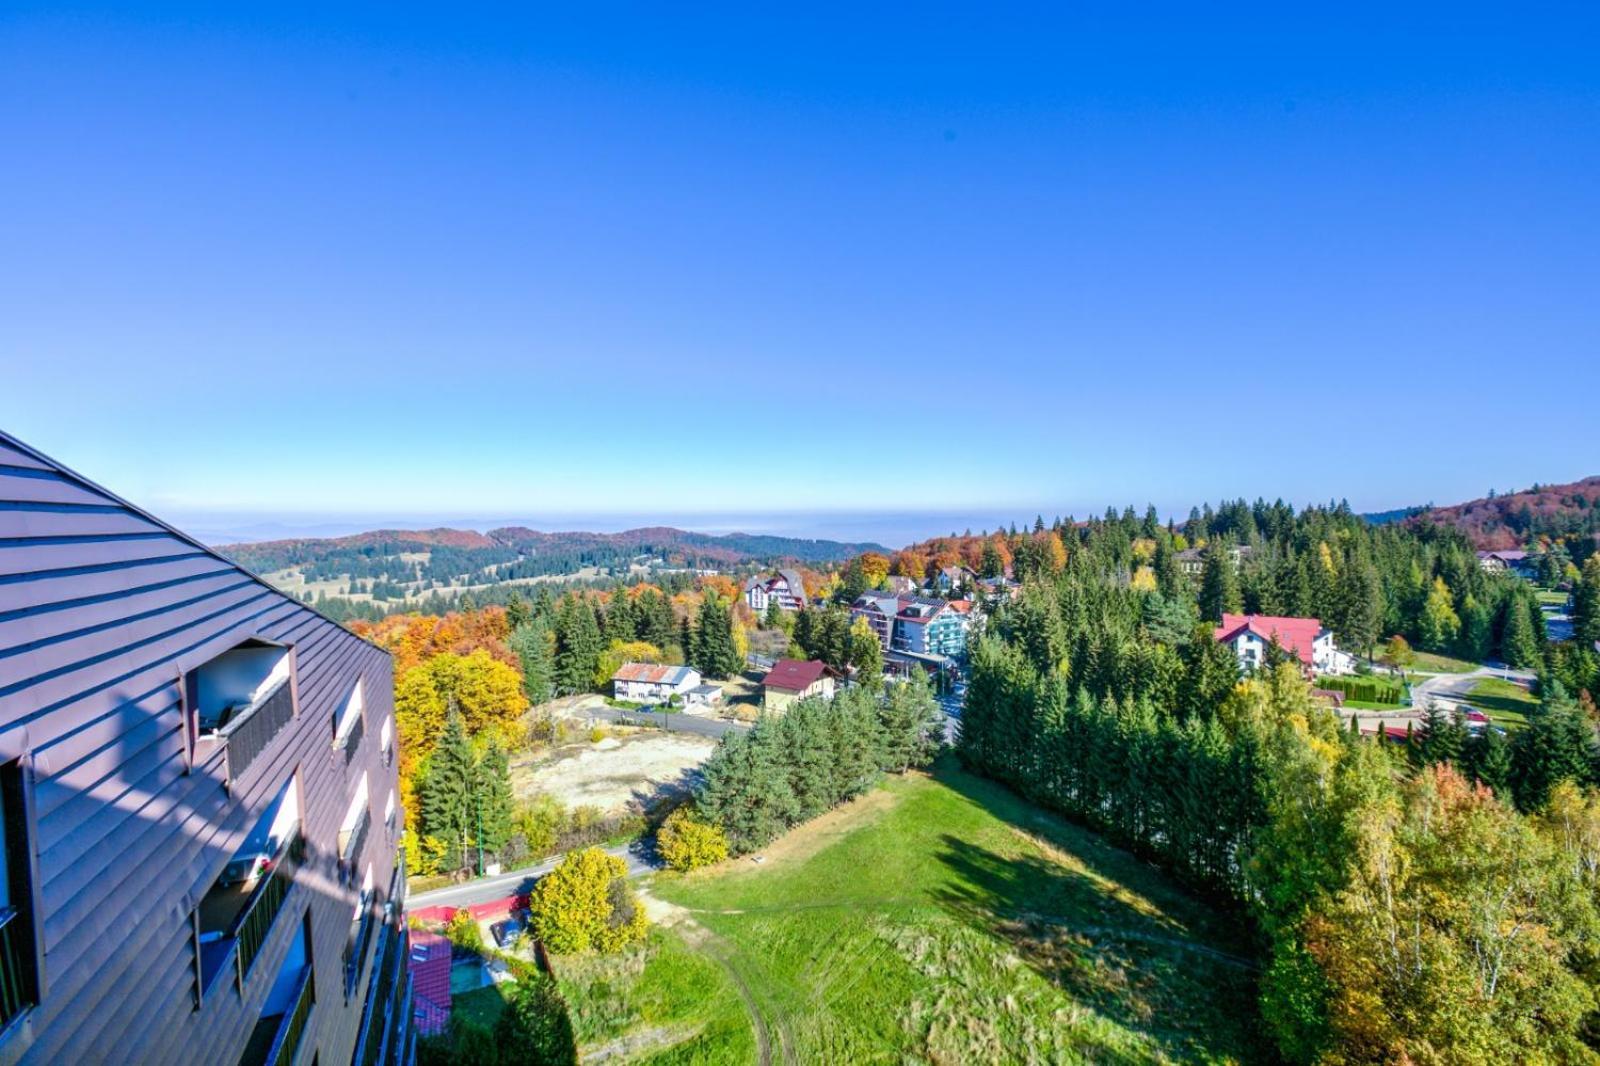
397	263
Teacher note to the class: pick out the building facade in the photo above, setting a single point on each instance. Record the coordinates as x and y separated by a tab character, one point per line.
920	625
795	679
647	682
198	783
785	588
1250	635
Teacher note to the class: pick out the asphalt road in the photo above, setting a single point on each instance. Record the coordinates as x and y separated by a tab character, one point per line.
640	859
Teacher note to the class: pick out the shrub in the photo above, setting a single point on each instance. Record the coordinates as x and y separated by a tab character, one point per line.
585	904
597	734
535	1026
687	843
462	931
1365	689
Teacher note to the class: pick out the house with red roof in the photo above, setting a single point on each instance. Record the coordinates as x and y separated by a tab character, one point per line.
430	981
784	588
795	679
1249	635
653	682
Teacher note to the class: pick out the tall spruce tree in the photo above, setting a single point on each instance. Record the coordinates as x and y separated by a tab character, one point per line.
1219	584
715	654
535	650
448	786
494	799
577	646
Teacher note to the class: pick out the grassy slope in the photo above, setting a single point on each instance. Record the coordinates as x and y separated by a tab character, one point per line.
946	920
1506	704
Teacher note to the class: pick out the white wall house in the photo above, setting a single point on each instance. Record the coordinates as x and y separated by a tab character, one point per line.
1249	635
650	682
785	587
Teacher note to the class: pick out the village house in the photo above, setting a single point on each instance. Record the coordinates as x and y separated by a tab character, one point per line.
955	578
1192	561
1249	635
652	682
1519	563
783	588
795	679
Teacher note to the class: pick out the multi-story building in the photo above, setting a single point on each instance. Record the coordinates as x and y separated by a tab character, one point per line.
1306	639
785	588
198	787
916	624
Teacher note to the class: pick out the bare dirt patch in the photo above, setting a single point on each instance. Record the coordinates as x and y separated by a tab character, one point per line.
618	775
800	844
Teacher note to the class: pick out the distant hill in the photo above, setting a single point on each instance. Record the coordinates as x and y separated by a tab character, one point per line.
431	558
1497	523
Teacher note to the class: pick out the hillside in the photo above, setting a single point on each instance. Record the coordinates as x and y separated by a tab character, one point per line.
1560	512
401	565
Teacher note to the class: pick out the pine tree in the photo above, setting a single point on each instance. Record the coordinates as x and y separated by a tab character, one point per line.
1586	604
577	647
715	654
1488	759
535	650
620	624
1519	645
1557	745
495	800
447	788
1219	585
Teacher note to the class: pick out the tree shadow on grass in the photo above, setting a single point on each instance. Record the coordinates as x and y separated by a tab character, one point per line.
1106	933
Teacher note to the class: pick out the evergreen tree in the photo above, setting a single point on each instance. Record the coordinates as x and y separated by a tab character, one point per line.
991	562
517	611
577	647
1487	758
715	654
619	619
448	785
1557	745
1219	584
1519	643
494	799
535	650
1586	604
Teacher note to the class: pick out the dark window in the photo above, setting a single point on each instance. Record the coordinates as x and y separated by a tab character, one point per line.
19	986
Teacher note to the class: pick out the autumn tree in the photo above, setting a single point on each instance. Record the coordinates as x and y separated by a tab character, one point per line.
866	653
1438	625
687	842
585	904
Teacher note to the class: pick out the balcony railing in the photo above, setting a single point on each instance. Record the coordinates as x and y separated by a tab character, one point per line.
287	1042
355	950
353	840
248	735
255	921
16	966
352	740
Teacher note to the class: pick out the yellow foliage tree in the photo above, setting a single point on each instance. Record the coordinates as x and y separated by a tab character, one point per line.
624	651
687	843
585	904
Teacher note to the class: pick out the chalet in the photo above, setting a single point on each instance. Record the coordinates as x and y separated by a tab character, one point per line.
1249	635
899	585
1192	561
785	588
955	578
1518	563
652	682
794	679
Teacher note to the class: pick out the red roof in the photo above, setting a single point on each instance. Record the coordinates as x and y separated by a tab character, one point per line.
1294	634
794	675
430	980
652	673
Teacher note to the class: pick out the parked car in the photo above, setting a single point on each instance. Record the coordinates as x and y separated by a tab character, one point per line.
506	933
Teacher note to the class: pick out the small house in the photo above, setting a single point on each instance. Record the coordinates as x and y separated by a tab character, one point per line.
652	682
795	679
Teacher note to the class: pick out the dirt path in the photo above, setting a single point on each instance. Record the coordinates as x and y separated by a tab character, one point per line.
725	955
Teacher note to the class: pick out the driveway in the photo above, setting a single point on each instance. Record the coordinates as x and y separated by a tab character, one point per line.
676	722
1449	689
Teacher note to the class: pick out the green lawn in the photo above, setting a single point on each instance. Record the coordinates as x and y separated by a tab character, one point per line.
1552	597
1367	705
1430	663
1506	704
481	1006
937	919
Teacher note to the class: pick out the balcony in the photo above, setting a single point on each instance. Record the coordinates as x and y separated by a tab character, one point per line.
353	841
255	921
16	966
238	911
352	740
276	1038
355	950
249	731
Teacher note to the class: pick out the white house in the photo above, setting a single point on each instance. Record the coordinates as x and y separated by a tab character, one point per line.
651	683
1249	635
784	587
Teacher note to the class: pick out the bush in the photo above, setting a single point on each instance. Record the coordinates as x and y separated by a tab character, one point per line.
687	843
585	904
535	1026
1365	689
597	734
462	931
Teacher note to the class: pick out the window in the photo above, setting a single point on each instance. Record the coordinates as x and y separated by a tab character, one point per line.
347	721
388	815
19	962
239	701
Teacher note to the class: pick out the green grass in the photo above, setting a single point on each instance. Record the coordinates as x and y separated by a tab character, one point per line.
665	1001
1365	705
481	1006
1552	597
1432	663
943	919
1506	704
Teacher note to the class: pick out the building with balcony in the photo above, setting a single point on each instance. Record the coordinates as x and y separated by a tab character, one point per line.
198	845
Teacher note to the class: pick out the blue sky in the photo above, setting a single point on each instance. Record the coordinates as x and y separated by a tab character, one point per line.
479	263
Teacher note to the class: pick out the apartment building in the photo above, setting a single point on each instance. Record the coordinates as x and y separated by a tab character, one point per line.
198	801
